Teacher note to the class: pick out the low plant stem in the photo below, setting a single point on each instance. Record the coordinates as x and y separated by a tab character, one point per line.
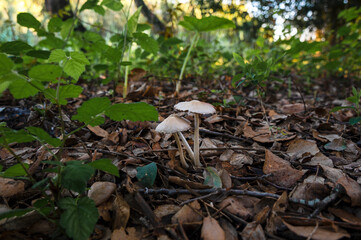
193	43
180	149
197	162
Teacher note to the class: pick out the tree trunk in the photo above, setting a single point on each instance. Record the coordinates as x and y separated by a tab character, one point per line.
158	26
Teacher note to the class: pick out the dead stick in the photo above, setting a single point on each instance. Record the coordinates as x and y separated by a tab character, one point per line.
202	130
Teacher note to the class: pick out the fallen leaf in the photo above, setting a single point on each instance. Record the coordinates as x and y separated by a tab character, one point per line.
253	231
293	108
101	191
345	215
211	230
299	147
122	212
353	189
239	160
10	187
166	209
332	174
236	206
318	232
229	230
188	214
98	131
282	172
129	234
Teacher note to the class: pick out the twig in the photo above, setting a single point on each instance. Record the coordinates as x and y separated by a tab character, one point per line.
200	197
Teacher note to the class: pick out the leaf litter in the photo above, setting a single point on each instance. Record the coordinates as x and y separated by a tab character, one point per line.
289	173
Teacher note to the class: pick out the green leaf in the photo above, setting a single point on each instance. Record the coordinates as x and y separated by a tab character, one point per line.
15	47
141	27
79	57
114	5
147	174
65	91
99	9
20	87
6	64
211	178
133	22
76	175
105	165
66	27
335	109
146	42
9	135
38	54
28	20
79	217
57	55
354	120
132	111
75	66
45	72
55	24
90	4
15	171
206	24
51	42
15	213
43	136
92	110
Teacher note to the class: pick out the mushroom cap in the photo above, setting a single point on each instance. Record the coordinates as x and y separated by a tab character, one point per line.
173	124
195	106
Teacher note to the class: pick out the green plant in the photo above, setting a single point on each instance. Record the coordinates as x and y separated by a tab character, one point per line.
197	26
355	99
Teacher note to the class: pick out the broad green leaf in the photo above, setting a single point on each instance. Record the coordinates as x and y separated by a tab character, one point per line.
8	135
74	68
15	171
57	55
335	109
79	217
99	9
28	20
6	64
147	174
211	178
15	213
239	59
79	57
38	54
21	88
132	111
354	120
105	165
15	47
55	24
206	23
115	5
43	136
90	4
141	27
65	91
146	42
66	27
76	175
133	22
45	72
51	42
91	112
4	85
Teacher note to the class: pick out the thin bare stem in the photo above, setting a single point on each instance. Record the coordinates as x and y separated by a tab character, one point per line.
188	148
181	155
197	162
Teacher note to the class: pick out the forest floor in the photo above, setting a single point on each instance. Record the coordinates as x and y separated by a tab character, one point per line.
287	168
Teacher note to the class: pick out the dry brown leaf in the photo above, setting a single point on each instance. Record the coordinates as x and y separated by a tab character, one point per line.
274	221
104	210
264	135
113	137
353	190
188	214
253	231
226	178
98	131
318	232
293	108
166	209
345	216
226	155
320	159
130	234
310	191
10	187
282	172
332	174
229	230
101	191
236	206
299	147
184	183
122	212
208	143
211	230
214	119
239	160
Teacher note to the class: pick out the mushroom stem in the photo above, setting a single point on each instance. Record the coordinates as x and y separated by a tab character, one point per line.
188	148
197	162
179	145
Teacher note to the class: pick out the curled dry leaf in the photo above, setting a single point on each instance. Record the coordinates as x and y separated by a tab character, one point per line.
229	230
332	174
239	159
188	214
299	147
320	159
98	131
282	172
353	189
101	191
122	212
264	135
236	206
130	234
274	221
293	108
211	230
345	215
166	209
253	231
10	187
318	232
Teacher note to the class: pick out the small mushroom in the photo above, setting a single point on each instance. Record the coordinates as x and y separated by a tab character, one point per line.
196	107
175	124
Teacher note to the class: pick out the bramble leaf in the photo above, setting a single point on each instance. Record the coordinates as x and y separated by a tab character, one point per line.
91	111
132	111
15	171
105	165
76	175
206	24
28	20
146	42
65	91
43	137
57	55
45	72
6	64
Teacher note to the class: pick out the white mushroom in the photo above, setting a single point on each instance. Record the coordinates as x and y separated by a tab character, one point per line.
196	107
175	124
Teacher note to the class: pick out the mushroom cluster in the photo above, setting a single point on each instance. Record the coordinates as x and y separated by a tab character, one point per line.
175	125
